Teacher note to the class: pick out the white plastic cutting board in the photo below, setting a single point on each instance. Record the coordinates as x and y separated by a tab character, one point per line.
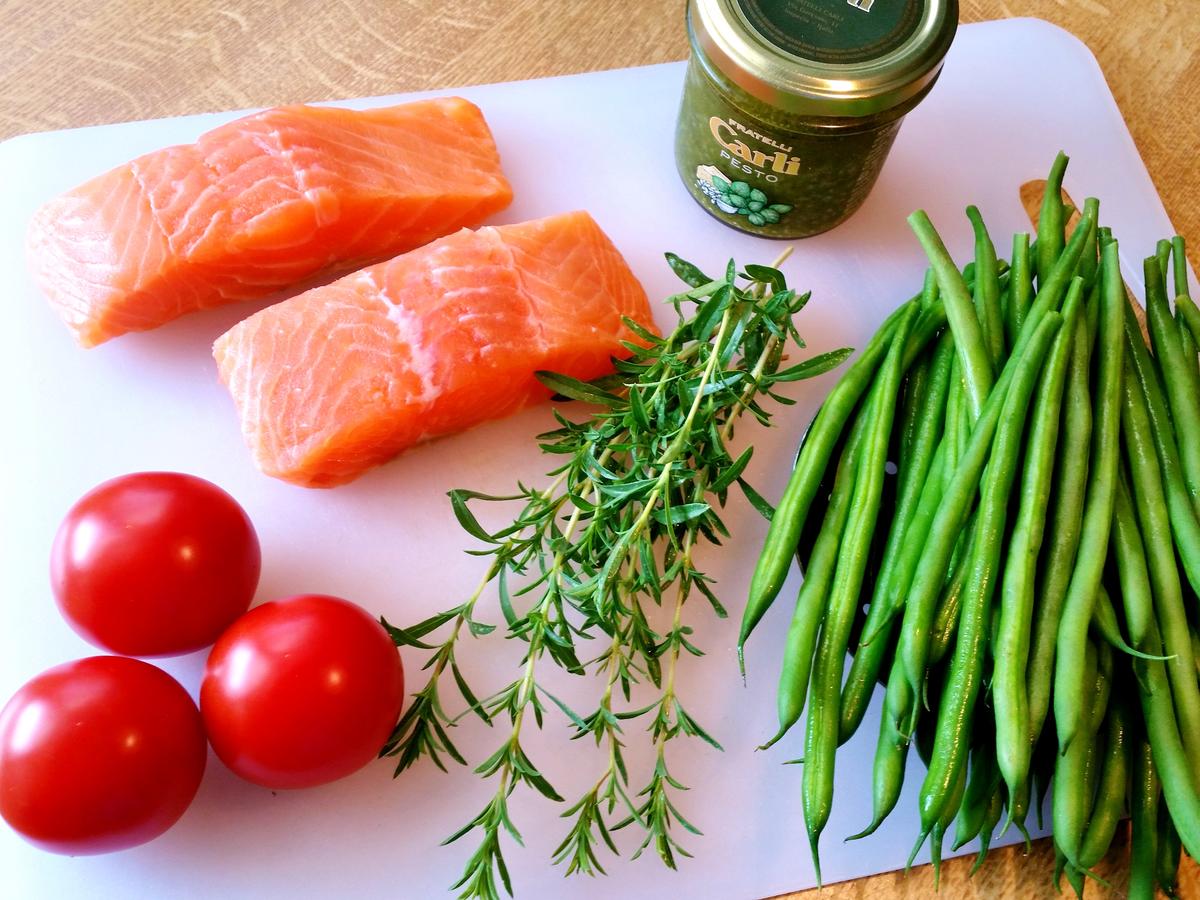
1012	94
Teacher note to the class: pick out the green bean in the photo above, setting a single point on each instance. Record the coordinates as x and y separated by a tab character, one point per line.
945	622
991	817
1183	403
973	353
1050	220
967	663
820	506
956	398
1184	525
1185	306
1060	863
1138	594
891	753
787	523
821	732
790	513
916	386
1108	629
1009	697
1092	748
985	778
1179	266
1187	343
1096	710
1006	316
1075	879
939	829
1091	314
925	731
987	289
1053	287
1144	796
1098	504
1189	371
860	682
812	602
929	289
930	323
1162	256
1071	802
1167	862
1045	753
918	528
921	600
1092	761
1020	285
1166	591
1170	759
1089	262
1062	541
1110	792
1127	550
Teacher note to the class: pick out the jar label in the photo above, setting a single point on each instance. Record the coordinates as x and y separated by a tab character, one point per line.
759	176
839	32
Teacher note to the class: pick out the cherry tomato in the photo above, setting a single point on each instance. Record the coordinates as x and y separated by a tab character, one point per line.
154	564
301	691
98	755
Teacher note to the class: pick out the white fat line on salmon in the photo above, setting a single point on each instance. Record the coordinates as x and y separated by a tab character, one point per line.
537	323
410	332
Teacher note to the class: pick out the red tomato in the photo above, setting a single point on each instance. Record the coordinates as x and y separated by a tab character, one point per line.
301	691
98	755
154	564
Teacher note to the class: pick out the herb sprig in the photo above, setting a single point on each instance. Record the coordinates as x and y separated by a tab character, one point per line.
598	551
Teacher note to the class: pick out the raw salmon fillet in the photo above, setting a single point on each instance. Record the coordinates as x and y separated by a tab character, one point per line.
259	204
344	377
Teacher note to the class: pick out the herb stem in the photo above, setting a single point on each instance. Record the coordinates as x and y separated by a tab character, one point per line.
685	430
752	386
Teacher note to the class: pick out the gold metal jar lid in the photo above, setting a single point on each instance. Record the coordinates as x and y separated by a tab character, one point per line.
826	57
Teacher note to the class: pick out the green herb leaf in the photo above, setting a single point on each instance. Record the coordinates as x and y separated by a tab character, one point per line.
817	365
458	502
641	331
567	711
628	490
566	386
688	273
769	276
765	509
684	512
506	606
730	474
411	637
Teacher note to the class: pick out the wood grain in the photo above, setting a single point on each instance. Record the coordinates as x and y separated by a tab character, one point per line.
68	63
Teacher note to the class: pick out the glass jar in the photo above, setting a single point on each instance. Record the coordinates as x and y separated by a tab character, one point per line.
790	107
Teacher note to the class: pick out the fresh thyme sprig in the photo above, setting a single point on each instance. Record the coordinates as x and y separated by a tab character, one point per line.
596	553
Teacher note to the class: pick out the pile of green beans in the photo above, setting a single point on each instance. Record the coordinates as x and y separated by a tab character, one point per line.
1037	552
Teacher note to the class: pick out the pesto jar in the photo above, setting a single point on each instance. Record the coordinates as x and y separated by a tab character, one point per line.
790	106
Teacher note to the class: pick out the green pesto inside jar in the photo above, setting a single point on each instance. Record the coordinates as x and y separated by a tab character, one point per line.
769	141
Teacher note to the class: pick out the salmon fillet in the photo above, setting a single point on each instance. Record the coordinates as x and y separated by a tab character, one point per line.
259	204
344	377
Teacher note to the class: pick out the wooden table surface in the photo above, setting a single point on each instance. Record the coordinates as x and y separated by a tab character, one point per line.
79	62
